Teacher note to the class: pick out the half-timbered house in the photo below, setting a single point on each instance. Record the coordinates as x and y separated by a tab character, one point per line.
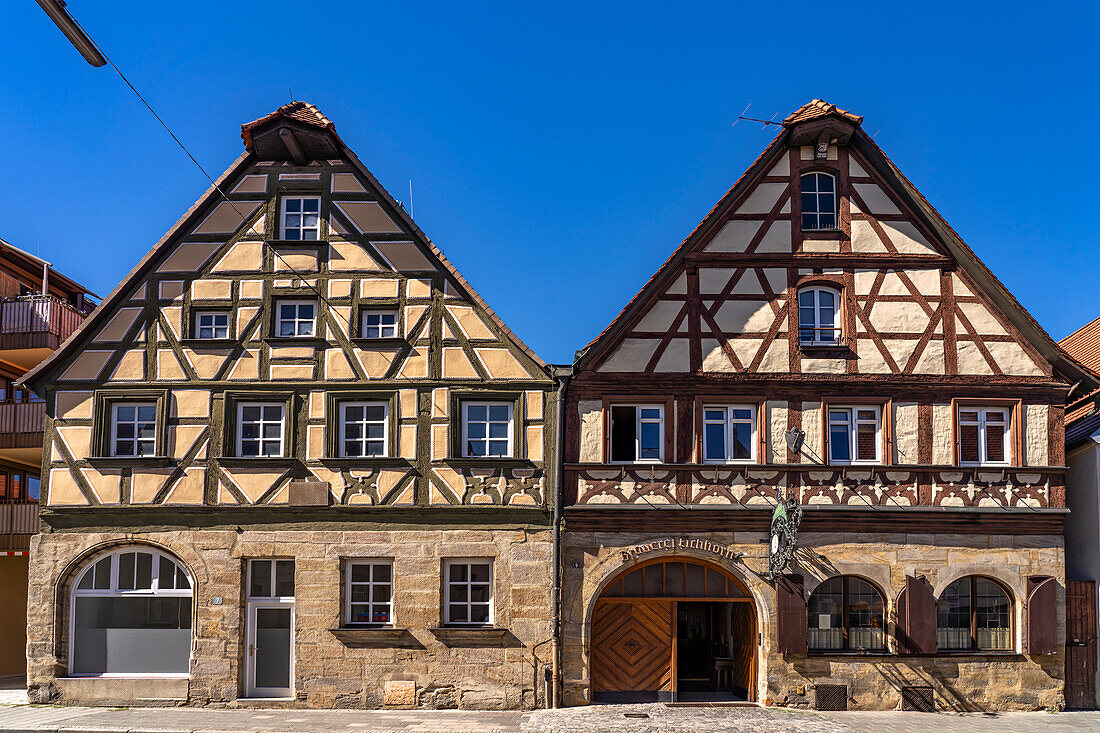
294	456
825	341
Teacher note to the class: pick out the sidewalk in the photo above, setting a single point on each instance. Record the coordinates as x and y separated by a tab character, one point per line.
653	718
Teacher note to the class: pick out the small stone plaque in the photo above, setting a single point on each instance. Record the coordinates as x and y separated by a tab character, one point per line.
399	693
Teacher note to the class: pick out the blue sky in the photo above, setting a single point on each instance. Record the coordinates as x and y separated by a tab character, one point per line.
580	142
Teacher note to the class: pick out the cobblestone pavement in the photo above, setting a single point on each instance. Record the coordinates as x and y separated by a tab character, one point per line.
594	719
663	719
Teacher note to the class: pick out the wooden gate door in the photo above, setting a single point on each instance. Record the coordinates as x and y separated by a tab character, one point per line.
1080	644
632	649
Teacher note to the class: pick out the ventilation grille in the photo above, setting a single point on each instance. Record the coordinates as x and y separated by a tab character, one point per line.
831	697
919	699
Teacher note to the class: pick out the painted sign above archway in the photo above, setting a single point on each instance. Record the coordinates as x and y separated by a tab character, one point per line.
680	543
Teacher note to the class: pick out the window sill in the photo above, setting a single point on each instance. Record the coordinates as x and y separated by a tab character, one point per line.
375	637
120	461
984	656
830	233
197	343
256	460
474	636
362	341
372	461
295	340
296	243
490	462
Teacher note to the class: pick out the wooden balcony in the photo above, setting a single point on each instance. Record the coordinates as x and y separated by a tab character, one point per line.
757	486
36	322
21	424
18	522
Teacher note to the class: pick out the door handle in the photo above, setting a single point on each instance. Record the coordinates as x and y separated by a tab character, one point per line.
251	649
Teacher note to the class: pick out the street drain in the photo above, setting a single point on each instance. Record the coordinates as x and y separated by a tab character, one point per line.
635	715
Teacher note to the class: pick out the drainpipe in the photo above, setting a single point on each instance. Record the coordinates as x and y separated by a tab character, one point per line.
562	374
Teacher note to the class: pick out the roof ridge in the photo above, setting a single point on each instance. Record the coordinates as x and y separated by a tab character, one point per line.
816	108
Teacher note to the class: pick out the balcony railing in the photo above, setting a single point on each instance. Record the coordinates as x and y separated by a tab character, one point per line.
21	424
36	322
18	521
757	486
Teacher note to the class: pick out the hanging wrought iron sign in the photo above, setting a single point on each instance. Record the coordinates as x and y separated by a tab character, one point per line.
785	520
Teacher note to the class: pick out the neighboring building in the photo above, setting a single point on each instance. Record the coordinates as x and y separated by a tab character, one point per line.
823	300
294	455
1083	523
39	308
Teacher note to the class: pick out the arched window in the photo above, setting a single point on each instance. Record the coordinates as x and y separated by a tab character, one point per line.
131	614
846	614
974	614
818	316
818	201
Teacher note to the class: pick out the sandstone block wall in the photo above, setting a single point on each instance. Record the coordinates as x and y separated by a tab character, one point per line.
498	675
990	681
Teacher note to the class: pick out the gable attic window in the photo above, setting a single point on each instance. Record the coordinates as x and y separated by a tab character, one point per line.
818	317
818	201
637	433
133	429
212	325
379	324
295	318
301	218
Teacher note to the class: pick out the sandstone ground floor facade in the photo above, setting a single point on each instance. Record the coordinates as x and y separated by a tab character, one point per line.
676	615
317	614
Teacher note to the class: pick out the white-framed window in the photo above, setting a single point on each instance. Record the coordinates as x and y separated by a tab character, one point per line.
855	434
984	436
637	433
729	434
271	579
379	324
818	201
301	217
212	325
363	429
260	429
295	318
486	429
125	603
818	316
134	429
369	592
469	591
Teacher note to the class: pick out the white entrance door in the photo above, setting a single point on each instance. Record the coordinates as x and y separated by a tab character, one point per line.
269	658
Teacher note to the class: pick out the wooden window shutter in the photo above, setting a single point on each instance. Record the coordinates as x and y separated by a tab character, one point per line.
791	614
916	622
1042	609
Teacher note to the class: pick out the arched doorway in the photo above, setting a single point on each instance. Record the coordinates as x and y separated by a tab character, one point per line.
673	629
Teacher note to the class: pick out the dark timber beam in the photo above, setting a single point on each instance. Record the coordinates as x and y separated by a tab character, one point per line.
292	145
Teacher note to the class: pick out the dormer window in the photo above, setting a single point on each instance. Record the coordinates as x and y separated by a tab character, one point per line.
818	201
818	317
301	218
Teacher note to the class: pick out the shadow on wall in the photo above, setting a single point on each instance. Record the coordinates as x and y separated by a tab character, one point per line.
940	678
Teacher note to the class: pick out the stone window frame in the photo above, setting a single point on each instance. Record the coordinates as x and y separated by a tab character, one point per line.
445	576
103	411
345	586
89	564
974	648
845	614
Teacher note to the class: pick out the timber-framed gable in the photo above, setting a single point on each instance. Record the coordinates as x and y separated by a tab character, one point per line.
231	262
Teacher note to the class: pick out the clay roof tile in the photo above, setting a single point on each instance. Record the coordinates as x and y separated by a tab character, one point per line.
819	108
